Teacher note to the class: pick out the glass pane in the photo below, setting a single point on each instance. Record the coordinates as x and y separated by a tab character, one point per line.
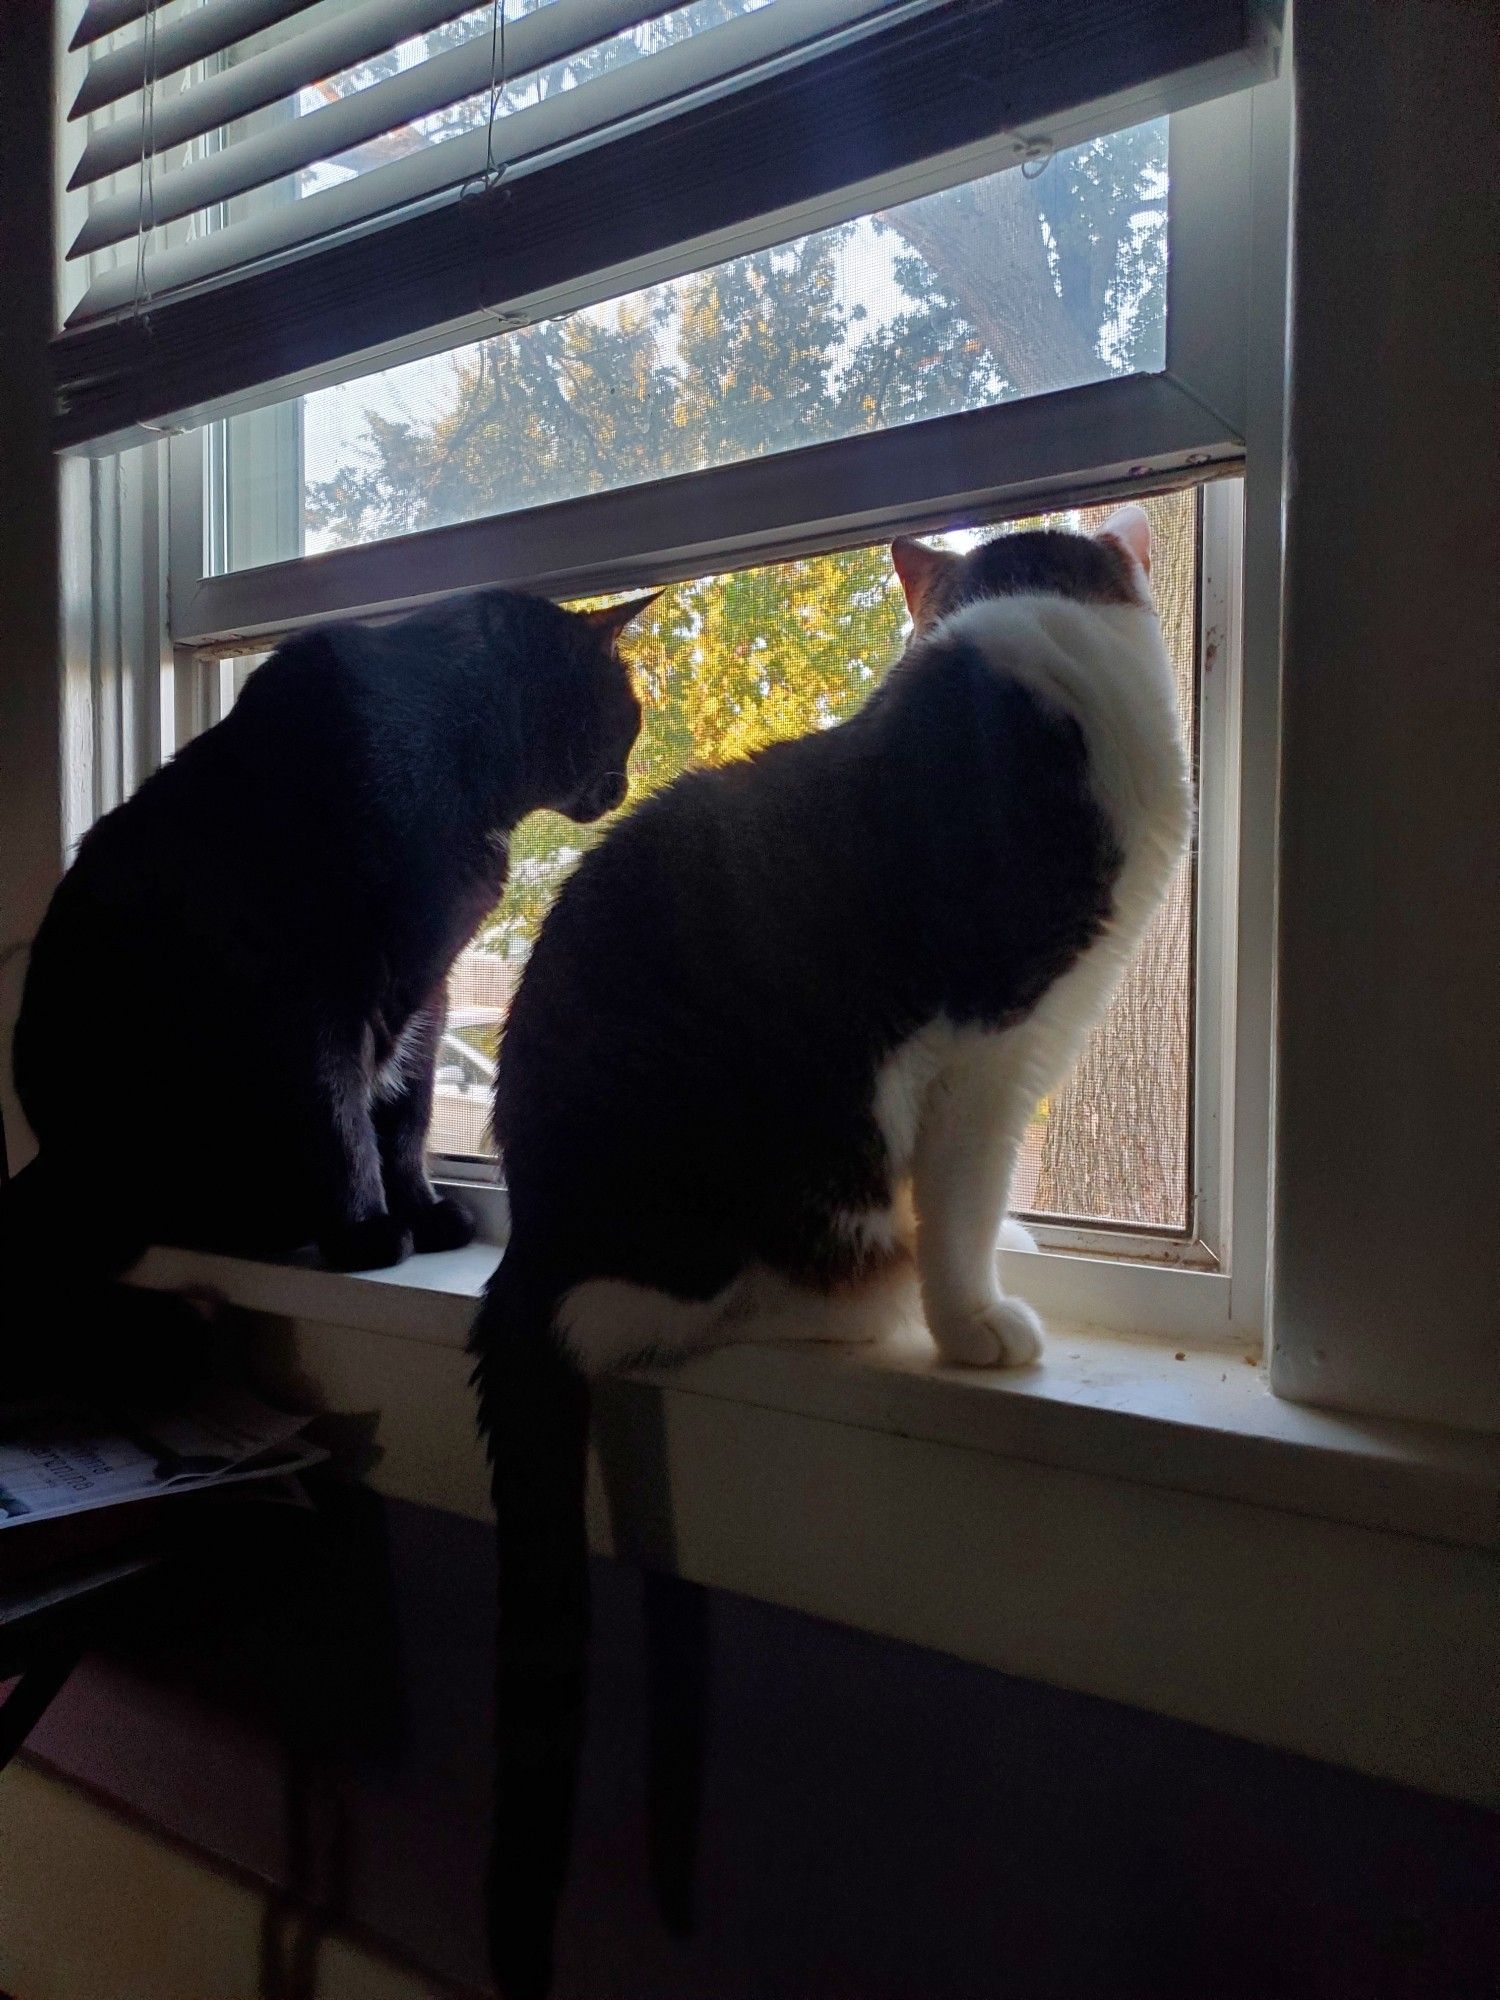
468	114
1112	1144
727	663
1005	287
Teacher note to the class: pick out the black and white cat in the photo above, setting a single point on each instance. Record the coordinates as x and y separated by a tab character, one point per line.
233	1003
770	1064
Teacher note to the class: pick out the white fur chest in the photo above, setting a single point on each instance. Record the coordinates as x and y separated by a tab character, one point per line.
901	1086
1107	668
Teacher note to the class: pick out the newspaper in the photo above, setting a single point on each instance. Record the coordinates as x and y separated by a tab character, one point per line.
63	1459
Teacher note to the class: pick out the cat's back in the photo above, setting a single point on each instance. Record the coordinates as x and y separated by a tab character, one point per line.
694	877
1101	669
201	868
911	861
267	785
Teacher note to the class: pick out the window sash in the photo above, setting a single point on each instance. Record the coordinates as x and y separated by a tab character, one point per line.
1095	442
1005	459
1151	1281
1199	1244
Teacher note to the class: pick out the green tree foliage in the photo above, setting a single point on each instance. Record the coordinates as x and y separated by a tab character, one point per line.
711	662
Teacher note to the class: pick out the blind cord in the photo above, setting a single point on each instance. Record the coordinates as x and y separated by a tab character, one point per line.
499	77
147	217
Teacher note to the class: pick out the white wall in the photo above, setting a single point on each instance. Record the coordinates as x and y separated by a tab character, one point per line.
1387	1284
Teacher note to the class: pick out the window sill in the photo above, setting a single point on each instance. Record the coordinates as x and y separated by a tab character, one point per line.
1198	1420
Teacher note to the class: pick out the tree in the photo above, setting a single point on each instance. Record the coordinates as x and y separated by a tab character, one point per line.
711	662
1114	1141
1072	287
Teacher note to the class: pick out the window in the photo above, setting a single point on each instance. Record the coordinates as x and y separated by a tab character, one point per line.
1007	332
727	663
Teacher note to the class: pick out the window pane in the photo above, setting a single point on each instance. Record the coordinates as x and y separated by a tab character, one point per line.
1005	287
728	663
647	38
1112	1144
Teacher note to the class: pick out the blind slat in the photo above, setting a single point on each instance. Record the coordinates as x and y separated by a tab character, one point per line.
204	32
104	17
553	32
709	59
350	37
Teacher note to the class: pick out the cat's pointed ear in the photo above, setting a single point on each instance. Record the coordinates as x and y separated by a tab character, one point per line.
1130	528
921	569
610	620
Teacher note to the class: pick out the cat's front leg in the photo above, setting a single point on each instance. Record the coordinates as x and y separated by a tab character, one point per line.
969	1136
355	1231
402	1111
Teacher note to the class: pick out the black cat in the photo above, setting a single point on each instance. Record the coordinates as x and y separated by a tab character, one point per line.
772	1058
233	1003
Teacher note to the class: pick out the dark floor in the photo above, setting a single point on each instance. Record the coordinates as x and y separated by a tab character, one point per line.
879	1823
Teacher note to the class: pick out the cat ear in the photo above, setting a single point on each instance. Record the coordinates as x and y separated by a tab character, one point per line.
919	569
610	620
1130	528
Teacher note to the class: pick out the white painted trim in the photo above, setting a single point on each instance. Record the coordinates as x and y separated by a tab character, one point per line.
1256	766
1210	311
1360	1646
1194	1416
113	528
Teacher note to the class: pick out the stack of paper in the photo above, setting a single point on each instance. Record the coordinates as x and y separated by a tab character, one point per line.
58	1458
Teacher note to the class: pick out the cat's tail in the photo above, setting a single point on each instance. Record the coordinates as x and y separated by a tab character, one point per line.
534	1412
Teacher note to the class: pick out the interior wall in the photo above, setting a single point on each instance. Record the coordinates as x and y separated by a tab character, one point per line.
1387	1252
879	1822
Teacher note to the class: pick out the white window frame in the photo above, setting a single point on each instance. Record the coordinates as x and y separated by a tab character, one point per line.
1212	410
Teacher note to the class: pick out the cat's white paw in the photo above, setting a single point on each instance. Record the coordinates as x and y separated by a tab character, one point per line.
991	1333
1015	1235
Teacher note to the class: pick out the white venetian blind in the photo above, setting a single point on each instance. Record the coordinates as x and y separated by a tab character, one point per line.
345	111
